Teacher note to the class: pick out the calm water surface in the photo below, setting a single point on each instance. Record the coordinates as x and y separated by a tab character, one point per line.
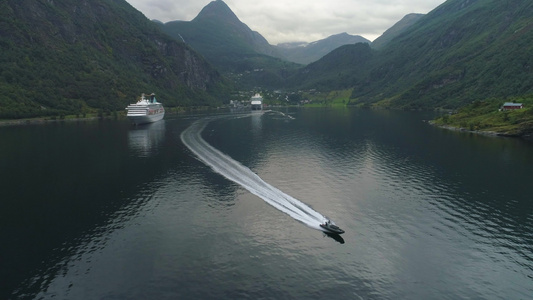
104	210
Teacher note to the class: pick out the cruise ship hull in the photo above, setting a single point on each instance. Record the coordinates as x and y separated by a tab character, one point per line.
145	119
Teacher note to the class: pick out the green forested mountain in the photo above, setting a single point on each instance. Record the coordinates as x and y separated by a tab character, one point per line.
234	48
231	46
460	52
341	68
71	56
396	30
464	50
305	53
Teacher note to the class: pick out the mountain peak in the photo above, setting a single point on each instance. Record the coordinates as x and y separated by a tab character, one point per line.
343	34
219	35
217	10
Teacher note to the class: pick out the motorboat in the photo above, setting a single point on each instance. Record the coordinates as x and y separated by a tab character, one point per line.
331	228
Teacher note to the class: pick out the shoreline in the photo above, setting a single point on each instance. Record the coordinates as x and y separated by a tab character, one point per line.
92	117
481	132
37	121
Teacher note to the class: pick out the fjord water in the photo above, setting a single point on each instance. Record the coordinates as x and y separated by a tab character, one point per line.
106	210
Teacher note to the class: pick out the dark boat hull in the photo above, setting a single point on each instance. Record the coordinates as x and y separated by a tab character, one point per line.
336	237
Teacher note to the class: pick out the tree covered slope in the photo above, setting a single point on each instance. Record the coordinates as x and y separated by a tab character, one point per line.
71	56
464	50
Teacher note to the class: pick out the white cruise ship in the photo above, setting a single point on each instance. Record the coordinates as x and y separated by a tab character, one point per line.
257	102
145	110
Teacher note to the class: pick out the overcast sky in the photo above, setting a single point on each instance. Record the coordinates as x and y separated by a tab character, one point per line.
298	20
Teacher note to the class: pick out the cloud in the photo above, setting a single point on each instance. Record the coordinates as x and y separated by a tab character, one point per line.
298	20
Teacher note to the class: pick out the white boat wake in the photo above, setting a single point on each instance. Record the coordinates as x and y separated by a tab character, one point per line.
236	172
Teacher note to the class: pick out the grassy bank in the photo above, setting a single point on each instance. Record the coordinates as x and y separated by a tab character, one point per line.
486	117
338	98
